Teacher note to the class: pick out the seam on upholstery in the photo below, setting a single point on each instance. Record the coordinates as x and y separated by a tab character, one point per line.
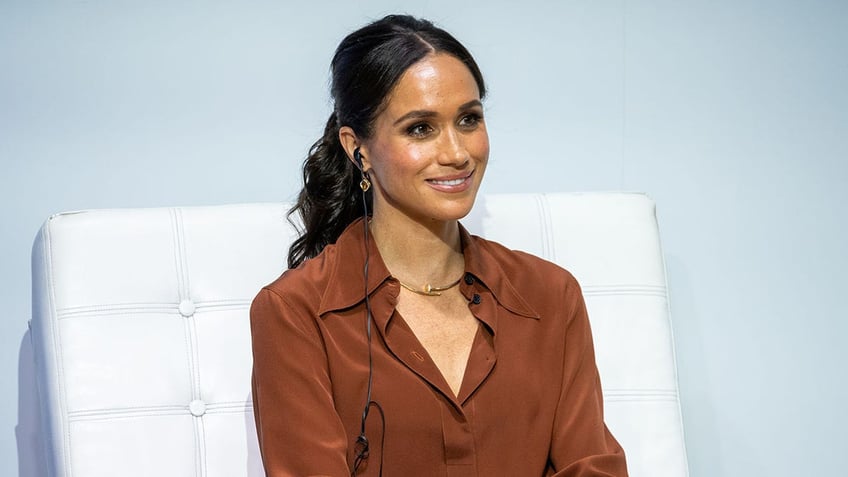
58	355
175	239
640	395
200	439
544	223
118	308
625	289
126	412
136	308
191	337
150	411
225	304
184	294
190	331
541	221
182	260
550	243
229	408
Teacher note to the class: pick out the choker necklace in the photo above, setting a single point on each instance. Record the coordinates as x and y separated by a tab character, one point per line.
430	290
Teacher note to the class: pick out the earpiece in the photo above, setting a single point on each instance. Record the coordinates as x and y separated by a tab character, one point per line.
357	157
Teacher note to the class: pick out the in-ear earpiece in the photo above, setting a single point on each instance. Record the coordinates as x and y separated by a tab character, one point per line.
357	156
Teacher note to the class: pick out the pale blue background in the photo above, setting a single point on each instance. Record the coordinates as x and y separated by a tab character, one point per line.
731	114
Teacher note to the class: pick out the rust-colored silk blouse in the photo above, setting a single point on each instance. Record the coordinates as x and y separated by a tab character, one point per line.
530	403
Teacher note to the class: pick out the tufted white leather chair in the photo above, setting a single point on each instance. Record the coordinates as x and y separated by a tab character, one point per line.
143	357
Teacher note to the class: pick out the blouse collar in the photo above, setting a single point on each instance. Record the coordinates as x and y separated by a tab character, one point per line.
347	289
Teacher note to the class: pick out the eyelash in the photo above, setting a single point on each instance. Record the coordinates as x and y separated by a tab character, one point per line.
474	117
416	129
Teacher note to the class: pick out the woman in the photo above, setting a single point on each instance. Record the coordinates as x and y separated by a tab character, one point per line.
398	344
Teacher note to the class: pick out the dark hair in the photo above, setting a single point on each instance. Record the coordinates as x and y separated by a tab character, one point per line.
365	68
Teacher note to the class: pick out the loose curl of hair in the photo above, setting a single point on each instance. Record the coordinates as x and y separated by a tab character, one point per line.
366	66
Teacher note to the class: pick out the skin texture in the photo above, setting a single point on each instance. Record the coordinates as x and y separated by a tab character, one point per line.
426	159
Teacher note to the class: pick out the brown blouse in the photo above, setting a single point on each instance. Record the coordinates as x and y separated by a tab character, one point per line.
530	403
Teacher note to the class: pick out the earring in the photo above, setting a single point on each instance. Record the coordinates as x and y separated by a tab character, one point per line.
364	184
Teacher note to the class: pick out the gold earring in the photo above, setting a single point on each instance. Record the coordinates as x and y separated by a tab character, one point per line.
364	184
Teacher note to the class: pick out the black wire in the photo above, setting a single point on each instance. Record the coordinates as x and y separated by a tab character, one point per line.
362	450
363	453
367	316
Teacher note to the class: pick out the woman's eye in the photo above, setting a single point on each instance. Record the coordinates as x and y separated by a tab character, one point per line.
419	130
470	121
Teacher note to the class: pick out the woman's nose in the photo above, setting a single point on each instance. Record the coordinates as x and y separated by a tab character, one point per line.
453	151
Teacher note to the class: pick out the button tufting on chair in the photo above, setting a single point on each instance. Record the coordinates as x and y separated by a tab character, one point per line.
197	407
187	308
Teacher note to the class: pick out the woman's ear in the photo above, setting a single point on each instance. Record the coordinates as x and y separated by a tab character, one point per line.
350	143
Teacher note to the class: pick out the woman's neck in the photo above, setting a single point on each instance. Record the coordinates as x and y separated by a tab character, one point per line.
417	252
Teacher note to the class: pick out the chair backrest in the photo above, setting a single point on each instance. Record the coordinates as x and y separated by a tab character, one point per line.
143	357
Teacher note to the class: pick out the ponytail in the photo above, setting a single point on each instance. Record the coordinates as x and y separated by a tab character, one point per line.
330	199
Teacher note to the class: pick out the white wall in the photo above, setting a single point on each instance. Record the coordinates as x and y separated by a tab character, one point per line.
732	114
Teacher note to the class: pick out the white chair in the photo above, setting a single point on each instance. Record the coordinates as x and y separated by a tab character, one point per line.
142	345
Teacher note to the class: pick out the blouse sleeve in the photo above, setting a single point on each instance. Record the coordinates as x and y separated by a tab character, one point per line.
582	446
300	433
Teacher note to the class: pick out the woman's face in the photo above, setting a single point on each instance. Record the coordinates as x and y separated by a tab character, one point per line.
429	146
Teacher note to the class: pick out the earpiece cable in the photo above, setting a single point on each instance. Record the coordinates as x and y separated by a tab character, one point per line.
362	450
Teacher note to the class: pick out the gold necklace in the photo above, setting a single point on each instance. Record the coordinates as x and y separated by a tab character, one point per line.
430	290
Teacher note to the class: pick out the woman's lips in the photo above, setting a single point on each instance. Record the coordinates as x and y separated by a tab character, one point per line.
452	184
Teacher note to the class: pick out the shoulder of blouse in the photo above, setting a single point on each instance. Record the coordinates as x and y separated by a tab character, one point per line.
334	279
541	283
520	266
306	284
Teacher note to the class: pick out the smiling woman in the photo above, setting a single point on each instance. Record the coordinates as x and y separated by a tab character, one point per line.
475	359
428	149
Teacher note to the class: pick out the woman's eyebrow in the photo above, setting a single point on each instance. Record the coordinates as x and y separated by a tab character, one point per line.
425	114
471	104
417	114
